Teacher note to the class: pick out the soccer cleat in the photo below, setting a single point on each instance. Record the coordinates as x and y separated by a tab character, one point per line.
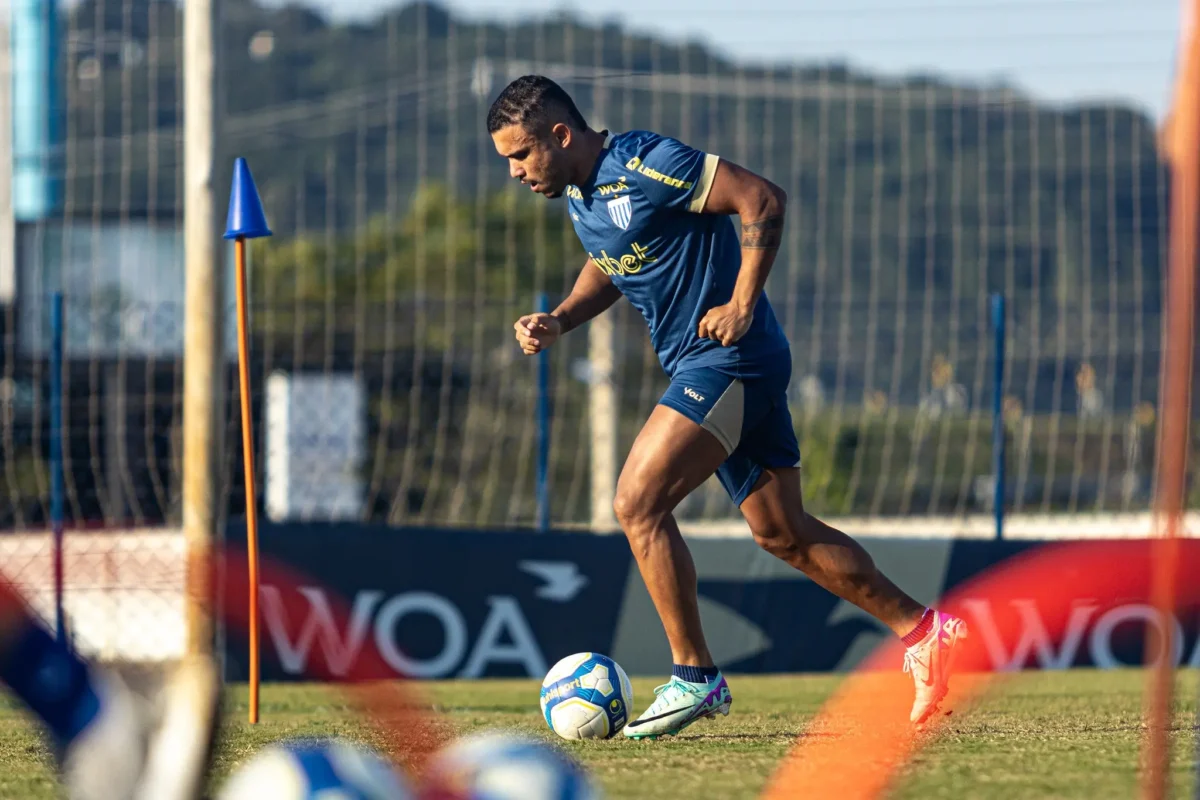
678	704
930	662
124	755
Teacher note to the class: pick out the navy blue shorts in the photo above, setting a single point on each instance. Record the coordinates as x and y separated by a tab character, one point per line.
749	416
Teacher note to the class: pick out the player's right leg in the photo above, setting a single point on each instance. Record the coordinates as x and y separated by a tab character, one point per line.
671	457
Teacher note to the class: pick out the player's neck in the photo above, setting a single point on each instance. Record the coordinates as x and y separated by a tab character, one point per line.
593	146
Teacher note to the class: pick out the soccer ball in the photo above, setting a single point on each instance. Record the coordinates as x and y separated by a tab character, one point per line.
586	696
316	770
500	766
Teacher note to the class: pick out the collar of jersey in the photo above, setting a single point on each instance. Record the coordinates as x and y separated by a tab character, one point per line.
591	180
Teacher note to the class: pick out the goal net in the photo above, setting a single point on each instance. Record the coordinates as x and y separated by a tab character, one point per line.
387	387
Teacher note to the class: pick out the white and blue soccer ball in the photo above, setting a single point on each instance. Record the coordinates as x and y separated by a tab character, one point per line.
586	696
308	769
502	766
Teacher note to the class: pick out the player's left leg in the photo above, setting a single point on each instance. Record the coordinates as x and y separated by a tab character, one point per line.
833	560
764	479
775	513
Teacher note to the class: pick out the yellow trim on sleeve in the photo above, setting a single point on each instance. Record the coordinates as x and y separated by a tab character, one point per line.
704	183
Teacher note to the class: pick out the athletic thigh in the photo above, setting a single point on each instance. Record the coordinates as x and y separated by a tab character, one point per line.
674	453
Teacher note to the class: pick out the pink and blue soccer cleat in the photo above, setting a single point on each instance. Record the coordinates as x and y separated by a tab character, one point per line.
678	704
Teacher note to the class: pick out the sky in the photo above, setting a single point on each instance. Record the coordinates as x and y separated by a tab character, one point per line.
1057	50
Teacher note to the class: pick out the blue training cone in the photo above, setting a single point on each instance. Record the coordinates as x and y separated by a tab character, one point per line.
246	217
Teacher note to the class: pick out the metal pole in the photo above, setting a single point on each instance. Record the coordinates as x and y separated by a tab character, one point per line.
203	372
602	414
998	459
56	457
543	429
603	411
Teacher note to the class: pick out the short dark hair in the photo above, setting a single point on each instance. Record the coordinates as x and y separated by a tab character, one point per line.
529	102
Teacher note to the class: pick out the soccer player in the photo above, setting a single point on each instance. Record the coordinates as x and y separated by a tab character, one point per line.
102	734
654	217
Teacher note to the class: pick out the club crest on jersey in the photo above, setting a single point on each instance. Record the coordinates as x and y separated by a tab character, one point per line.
621	211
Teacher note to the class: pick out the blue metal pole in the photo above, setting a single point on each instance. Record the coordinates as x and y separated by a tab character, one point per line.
56	457
543	429
998	460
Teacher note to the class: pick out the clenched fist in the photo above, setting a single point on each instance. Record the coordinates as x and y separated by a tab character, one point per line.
725	324
536	332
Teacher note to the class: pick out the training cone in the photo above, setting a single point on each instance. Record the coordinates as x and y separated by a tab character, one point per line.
246	218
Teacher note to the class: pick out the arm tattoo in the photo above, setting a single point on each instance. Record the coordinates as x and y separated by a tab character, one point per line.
564	321
765	234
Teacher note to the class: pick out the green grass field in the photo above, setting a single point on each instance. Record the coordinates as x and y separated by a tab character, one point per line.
1062	735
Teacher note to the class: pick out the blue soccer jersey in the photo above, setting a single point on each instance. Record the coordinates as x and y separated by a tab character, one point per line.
638	216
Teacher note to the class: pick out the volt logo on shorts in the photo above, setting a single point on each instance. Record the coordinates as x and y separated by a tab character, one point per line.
692	393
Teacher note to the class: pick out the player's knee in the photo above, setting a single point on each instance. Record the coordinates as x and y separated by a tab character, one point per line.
638	511
622	507
631	507
780	541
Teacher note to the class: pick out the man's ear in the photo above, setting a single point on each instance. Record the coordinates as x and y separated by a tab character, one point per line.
562	134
